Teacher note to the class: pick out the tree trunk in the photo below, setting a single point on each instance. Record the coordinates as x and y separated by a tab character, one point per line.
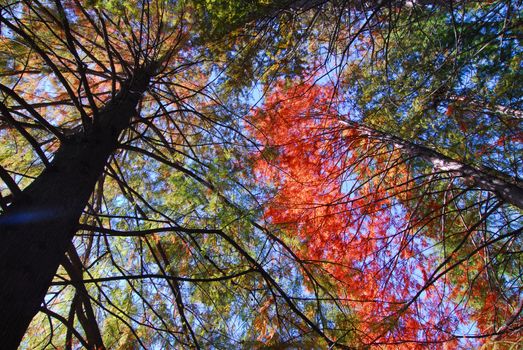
507	188
38	227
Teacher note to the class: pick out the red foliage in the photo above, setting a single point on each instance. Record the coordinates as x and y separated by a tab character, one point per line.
346	196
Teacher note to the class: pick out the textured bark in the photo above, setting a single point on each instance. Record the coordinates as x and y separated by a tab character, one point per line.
506	188
37	228
471	104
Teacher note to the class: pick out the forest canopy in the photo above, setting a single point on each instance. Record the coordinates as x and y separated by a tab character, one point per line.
259	174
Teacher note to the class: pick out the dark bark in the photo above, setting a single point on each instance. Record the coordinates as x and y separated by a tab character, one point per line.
84	309
37	228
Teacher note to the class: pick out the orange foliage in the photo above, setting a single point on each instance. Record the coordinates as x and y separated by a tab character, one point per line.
346	196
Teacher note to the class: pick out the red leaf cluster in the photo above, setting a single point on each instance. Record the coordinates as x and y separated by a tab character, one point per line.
346	196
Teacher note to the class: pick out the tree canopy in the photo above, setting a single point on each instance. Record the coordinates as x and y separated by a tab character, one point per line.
259	174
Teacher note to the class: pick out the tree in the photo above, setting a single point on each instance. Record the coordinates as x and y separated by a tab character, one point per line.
125	134
390	195
92	72
374	210
86	85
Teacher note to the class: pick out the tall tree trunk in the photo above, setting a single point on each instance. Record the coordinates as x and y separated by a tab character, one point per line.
37	228
506	188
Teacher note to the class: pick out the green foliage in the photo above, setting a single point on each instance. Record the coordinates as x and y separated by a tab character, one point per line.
442	80
219	18
180	245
